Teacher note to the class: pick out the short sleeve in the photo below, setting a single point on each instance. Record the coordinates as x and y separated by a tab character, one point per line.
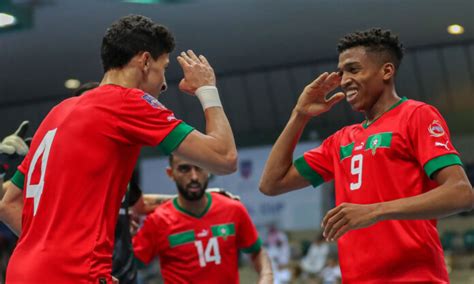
146	243
143	120
247	236
430	140
317	165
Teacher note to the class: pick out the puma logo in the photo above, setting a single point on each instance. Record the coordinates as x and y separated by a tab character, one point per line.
445	145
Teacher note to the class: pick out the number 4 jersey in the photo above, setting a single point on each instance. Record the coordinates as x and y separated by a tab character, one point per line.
392	158
74	177
198	249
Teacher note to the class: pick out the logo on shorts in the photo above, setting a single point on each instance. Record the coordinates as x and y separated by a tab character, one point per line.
435	129
153	101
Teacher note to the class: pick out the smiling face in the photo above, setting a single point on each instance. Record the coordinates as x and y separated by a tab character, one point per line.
190	180
363	77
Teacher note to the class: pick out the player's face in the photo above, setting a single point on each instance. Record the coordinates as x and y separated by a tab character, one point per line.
154	81
362	78
190	180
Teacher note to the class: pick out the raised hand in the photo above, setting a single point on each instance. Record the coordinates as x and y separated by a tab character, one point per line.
313	102
197	72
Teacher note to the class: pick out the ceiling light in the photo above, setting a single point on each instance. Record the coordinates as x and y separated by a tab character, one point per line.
455	29
72	83
6	20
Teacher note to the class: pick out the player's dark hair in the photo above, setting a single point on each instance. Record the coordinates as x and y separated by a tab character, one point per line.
84	88
376	40
170	159
132	35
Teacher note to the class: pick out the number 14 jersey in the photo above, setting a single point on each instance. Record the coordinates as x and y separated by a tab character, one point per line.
392	158
198	249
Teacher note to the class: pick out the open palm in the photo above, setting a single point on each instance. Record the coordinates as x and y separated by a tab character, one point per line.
313	102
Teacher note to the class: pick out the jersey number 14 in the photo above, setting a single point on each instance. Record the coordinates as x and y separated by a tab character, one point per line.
210	254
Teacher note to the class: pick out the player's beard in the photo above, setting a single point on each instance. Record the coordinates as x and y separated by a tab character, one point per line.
192	196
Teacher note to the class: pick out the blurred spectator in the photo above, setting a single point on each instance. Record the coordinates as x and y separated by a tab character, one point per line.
278	250
314	261
331	274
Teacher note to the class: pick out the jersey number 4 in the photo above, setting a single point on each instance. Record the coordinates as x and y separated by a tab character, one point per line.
36	190
211	254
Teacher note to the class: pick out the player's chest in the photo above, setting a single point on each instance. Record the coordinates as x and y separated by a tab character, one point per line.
204	243
373	145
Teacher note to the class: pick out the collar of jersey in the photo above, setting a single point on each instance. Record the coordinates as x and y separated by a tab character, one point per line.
181	209
403	99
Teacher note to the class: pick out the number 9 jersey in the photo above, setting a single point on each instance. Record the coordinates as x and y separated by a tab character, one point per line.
392	158
74	177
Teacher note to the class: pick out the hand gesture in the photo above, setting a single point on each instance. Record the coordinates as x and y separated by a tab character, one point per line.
197	72
312	101
348	216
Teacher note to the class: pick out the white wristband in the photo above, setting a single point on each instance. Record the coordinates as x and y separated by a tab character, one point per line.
208	96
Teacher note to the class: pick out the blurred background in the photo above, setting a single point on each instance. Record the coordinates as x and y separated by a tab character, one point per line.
264	52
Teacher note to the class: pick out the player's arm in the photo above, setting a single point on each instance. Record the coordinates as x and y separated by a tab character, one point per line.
453	195
148	202
11	207
263	266
214	150
280	175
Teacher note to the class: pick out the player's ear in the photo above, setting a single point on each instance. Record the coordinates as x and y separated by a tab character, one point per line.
144	60
388	71
169	172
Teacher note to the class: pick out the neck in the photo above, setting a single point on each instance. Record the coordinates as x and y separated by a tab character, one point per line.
196	207
383	104
125	77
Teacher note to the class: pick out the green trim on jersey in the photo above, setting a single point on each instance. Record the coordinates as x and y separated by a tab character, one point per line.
365	124
307	172
441	162
346	151
18	179
223	230
179	208
254	248
174	138
378	140
181	238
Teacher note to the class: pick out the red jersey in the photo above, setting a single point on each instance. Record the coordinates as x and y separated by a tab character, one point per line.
392	158
198	249
75	175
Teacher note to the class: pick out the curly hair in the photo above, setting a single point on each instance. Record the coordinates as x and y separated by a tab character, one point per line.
132	35
375	40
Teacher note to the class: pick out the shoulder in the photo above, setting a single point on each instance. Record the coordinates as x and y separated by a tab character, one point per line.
410	106
222	200
165	213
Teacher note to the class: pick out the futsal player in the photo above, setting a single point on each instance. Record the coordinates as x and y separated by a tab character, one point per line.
82	155
395	173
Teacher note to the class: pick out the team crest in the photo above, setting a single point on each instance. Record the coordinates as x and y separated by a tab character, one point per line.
153	101
435	129
224	233
375	143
